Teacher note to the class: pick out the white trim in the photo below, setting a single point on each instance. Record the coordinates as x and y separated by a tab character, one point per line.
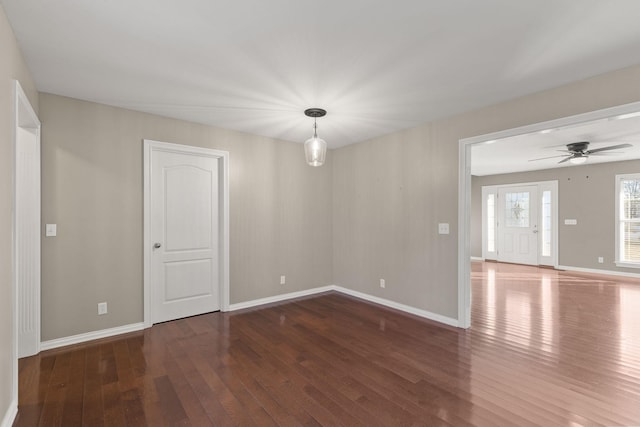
105	333
10	415
279	298
148	147
90	336
477	258
24	116
464	235
627	264
597	271
377	300
400	307
619	221
464	189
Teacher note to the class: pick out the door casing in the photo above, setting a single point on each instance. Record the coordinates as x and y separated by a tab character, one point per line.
149	146
542	186
25	118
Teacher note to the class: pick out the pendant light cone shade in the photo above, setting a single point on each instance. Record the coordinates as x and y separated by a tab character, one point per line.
315	149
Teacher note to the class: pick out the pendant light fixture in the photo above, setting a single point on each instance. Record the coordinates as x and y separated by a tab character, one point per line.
315	149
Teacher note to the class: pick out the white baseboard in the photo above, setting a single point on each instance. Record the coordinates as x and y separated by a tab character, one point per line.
89	336
398	306
80	338
597	271
477	258
279	298
387	303
10	415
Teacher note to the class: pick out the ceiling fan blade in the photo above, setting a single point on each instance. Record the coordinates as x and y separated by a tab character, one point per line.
545	158
607	153
611	147
565	160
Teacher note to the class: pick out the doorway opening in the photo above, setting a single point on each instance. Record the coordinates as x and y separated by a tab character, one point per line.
26	232
520	137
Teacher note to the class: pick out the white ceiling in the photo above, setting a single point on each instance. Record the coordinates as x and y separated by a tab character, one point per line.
377	66
514	154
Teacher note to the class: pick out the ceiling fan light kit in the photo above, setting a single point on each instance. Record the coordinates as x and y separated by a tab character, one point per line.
578	159
315	148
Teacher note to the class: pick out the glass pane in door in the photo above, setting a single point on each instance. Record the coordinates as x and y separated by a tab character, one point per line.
517	209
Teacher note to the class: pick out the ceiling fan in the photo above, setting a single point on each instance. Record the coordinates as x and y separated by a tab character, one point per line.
578	153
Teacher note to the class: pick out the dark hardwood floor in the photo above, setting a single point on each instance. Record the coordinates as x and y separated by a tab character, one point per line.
546	348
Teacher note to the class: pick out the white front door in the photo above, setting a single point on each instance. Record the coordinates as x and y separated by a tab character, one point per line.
518	225
184	231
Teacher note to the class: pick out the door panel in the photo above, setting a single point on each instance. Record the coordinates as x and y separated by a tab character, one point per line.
518	225
184	229
188	214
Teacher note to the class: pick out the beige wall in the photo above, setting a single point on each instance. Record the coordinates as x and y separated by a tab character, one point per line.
375	207
12	66
280	213
585	193
391	192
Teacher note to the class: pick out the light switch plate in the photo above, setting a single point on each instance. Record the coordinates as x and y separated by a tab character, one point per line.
51	230
570	222
443	228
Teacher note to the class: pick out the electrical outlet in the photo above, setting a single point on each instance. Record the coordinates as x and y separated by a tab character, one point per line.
383	284
283	280
600	259
102	308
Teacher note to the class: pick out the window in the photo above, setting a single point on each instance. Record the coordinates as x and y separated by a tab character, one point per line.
546	223
491	222
628	220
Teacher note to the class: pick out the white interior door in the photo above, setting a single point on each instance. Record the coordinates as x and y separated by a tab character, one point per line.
184	234
518	224
26	250
27	241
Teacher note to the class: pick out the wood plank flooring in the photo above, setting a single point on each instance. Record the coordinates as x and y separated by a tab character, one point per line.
546	348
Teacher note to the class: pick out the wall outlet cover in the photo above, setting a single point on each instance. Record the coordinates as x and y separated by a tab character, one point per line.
443	228
102	308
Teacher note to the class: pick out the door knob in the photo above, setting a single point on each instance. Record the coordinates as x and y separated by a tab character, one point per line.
535	231
156	245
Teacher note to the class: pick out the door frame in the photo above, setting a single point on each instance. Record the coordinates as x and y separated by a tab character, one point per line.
150	146
551	185
464	190
24	117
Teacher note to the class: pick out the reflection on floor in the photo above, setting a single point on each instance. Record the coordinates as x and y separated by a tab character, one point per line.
572	331
545	348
